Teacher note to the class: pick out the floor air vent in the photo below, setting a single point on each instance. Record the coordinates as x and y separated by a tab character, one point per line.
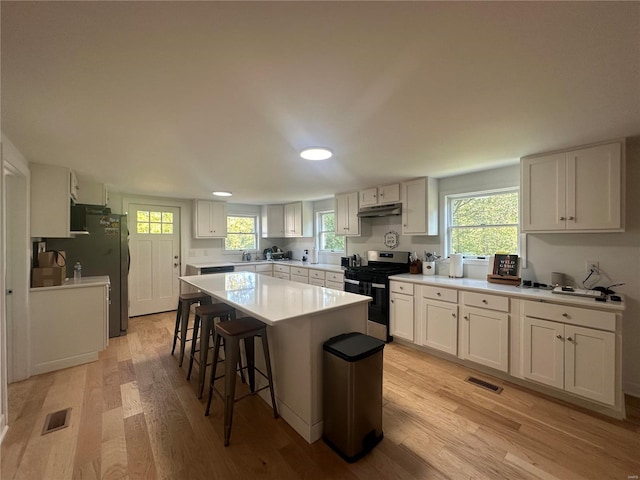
56	421
483	384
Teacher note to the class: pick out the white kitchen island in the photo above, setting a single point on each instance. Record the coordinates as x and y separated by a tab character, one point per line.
301	318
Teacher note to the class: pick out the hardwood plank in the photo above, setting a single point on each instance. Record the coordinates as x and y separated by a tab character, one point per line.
140	460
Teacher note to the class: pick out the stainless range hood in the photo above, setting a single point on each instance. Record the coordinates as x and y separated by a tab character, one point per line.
381	210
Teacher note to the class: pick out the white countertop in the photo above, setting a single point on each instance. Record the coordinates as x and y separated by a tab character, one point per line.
71	283
270	299
535	294
292	263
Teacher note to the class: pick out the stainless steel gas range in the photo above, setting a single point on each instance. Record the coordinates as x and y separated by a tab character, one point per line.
372	280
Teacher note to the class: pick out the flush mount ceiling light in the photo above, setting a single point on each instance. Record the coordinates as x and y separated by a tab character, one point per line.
222	194
316	153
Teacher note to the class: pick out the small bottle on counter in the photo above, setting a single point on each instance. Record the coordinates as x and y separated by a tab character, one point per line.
77	272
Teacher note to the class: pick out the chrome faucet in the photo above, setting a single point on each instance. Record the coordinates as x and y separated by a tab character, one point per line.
246	256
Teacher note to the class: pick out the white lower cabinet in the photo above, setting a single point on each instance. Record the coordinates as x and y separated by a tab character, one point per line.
577	359
69	325
484	330
401	310
438	321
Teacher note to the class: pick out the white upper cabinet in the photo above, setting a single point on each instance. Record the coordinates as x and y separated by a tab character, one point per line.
92	193
579	190
347	220
52	188
298	219
272	221
380	195
210	219
420	207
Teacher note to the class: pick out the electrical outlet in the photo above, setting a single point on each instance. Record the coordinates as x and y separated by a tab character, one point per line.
592	265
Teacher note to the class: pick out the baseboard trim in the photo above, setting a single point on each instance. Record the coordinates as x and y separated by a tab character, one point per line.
54	365
632	389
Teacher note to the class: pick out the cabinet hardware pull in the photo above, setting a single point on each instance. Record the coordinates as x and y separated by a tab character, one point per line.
570	218
484	301
392	301
570	339
438	294
559	336
562	218
565	314
453	315
466	317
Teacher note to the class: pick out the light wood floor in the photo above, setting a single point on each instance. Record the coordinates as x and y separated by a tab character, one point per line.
135	416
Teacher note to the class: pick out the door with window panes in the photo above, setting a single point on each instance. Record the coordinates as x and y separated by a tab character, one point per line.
155	258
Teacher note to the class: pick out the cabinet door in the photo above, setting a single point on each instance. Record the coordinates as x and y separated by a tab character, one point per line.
401	315
594	188
543	184
590	363
210	219
347	221
485	338
543	351
293	220
273	221
368	197
50	201
440	326
389	193
420	207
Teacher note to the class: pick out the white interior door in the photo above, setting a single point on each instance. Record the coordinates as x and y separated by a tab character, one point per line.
155	258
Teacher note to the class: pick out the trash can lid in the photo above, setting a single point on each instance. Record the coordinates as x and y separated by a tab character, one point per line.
353	346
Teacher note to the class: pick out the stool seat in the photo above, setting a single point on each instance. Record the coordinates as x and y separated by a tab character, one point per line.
241	327
185	300
231	332
214	309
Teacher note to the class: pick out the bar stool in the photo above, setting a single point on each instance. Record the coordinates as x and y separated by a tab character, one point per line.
185	300
206	314
246	328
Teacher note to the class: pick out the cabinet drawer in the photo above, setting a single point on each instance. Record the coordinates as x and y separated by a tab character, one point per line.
335	285
574	315
483	300
264	267
299	278
281	268
302	272
283	276
438	293
334	277
317	282
319	274
401	287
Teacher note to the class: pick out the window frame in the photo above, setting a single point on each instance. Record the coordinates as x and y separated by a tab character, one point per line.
448	221
256	233
319	232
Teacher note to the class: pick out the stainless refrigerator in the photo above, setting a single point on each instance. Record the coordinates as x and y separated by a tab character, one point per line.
104	251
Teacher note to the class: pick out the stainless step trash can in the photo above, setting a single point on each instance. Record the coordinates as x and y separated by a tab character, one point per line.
352	394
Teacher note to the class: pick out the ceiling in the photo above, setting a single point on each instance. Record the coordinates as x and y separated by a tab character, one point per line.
178	99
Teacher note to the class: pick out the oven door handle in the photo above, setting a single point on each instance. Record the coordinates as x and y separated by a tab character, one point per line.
353	282
377	285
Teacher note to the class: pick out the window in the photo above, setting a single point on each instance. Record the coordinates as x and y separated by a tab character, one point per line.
154	222
483	223
326	233
241	233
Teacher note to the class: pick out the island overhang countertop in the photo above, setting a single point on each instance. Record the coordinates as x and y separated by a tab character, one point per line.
271	299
